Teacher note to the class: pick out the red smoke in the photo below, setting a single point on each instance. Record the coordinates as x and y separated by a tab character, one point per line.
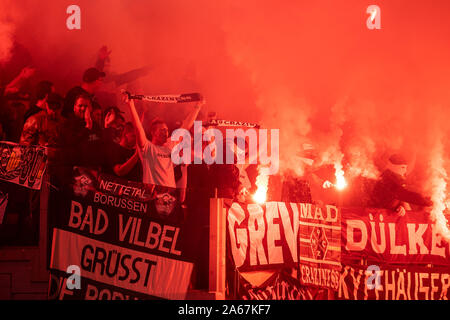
311	69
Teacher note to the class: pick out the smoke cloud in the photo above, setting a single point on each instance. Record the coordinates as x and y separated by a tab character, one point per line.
311	69
7	19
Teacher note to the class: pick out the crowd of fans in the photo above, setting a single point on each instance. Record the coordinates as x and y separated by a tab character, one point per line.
77	130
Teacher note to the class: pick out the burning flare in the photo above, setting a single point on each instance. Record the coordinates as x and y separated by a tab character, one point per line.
262	182
335	156
439	186
341	183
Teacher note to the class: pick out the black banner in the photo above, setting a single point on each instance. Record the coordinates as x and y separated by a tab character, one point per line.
280	286
126	236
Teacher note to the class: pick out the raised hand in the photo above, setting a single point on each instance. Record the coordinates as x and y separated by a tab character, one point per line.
110	118
200	103
125	96
104	53
401	211
27	72
88	118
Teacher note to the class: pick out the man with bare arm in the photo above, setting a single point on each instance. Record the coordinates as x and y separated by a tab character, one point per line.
155	154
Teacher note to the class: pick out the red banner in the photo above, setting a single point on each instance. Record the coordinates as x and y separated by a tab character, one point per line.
263	236
320	245
380	235
275	233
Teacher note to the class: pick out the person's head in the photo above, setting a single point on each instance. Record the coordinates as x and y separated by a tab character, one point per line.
113	118
119	125
211	116
43	89
307	156
238	143
92	80
54	105
159	131
199	133
97	113
82	102
398	165
128	139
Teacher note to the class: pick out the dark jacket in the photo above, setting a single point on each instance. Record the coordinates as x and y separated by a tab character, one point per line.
40	129
32	111
389	191
82	147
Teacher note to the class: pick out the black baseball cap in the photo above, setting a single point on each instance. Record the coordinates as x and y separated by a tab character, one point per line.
398	159
92	74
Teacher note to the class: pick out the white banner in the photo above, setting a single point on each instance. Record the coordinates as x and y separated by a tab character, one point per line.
121	267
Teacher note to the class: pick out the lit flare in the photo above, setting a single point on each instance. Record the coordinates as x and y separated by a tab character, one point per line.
262	182
341	183
439	186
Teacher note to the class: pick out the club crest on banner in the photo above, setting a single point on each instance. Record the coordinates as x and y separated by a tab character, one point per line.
82	185
319	243
165	203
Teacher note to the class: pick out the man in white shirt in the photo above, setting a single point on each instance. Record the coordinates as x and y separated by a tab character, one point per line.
155	154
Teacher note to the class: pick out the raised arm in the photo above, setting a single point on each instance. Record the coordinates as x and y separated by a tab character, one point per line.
125	168
406	195
189	121
140	132
29	132
15	85
103	58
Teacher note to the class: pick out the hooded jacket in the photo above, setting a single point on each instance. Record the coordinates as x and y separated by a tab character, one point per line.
389	191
